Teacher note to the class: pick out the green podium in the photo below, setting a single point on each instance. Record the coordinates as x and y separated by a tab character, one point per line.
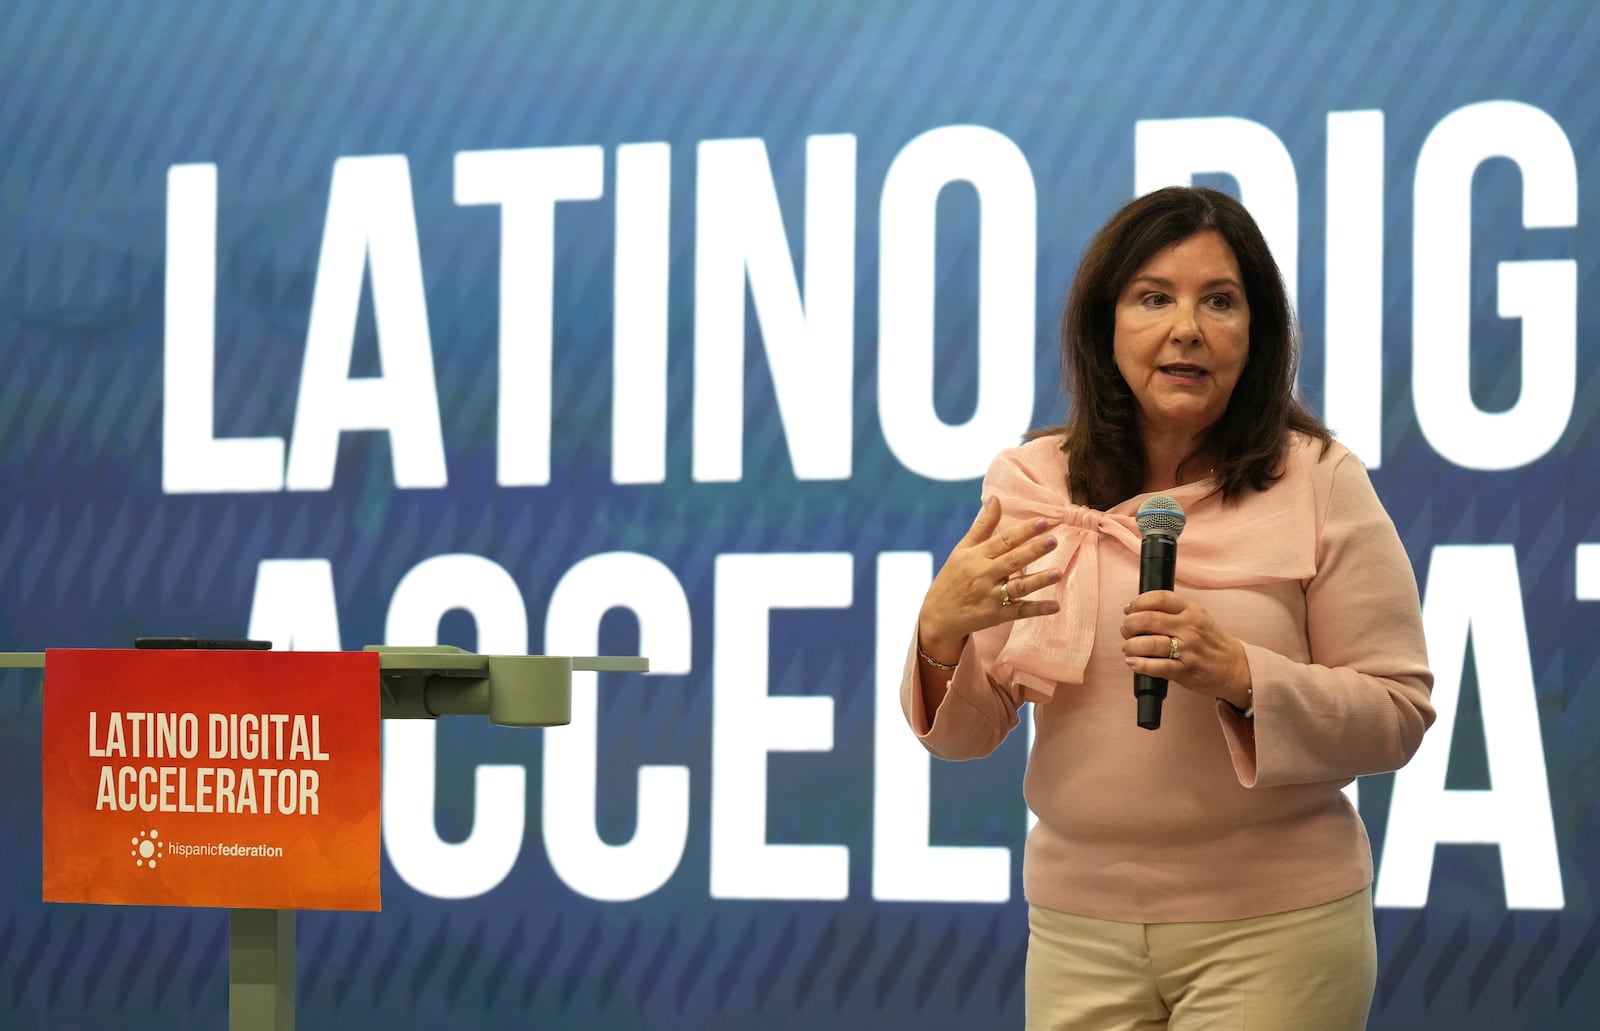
414	683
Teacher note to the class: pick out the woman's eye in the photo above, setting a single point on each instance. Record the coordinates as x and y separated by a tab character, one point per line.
1155	300
1220	301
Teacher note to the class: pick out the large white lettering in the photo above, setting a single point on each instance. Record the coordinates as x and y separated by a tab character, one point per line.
639	314
370	220
588	864
1002	362
1543	294
1353	292
1474	590
748	723
810	343
192	459
905	867
527	184
432	866
808	334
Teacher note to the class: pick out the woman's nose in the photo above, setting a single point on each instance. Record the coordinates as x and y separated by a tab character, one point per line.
1185	327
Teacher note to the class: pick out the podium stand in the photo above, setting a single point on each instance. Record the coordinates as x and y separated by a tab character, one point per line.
415	683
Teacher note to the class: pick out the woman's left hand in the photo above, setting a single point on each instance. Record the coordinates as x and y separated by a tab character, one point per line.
1210	661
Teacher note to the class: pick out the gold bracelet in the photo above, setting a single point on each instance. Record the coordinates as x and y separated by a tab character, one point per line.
930	660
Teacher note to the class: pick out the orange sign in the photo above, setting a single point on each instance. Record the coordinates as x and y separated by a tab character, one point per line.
242	779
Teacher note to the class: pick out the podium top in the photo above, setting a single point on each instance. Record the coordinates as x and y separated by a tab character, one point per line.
429	681
448	660
440	659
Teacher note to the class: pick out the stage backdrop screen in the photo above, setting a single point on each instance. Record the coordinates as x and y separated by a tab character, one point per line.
688	329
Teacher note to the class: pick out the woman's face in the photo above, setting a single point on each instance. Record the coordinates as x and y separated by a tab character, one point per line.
1182	335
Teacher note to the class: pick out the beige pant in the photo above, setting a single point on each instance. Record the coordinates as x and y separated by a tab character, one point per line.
1307	970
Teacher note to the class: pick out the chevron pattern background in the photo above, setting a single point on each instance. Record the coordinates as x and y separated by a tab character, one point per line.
98	99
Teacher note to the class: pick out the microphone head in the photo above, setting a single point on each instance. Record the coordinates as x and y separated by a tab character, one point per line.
1160	516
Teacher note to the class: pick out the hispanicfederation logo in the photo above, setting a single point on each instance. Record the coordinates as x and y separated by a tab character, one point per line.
147	848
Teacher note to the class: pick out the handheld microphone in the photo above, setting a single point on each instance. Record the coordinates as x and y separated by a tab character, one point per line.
1160	521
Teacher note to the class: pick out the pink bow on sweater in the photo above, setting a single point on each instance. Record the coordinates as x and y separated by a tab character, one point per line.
1255	539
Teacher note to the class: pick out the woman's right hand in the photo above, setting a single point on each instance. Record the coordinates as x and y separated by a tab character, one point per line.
983	571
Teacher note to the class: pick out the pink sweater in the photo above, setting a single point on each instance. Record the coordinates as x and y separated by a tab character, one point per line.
1211	817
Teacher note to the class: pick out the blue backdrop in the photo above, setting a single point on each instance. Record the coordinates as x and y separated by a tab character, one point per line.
688	329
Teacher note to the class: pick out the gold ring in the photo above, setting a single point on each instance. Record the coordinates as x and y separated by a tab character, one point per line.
1172	649
1005	595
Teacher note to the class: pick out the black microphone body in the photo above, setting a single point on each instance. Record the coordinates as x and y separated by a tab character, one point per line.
1158	557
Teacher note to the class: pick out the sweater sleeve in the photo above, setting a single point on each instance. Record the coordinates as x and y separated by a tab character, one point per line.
1361	704
975	714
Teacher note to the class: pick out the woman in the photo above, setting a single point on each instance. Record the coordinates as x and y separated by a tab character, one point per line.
1212	873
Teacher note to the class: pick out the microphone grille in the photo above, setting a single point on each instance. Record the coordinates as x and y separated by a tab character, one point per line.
1160	515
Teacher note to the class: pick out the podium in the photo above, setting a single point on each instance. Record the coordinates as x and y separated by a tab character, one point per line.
414	683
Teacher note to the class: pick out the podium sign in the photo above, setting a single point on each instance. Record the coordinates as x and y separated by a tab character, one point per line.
212	778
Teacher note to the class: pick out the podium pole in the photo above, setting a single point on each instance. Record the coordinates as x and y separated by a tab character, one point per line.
261	972
416	683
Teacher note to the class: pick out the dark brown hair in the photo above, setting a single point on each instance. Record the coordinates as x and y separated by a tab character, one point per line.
1105	452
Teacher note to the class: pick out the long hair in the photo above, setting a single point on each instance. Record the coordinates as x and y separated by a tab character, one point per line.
1106	461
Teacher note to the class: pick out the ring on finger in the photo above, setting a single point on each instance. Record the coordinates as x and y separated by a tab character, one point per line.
1005	595
1172	649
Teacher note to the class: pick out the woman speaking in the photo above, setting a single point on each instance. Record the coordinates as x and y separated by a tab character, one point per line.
1209	873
